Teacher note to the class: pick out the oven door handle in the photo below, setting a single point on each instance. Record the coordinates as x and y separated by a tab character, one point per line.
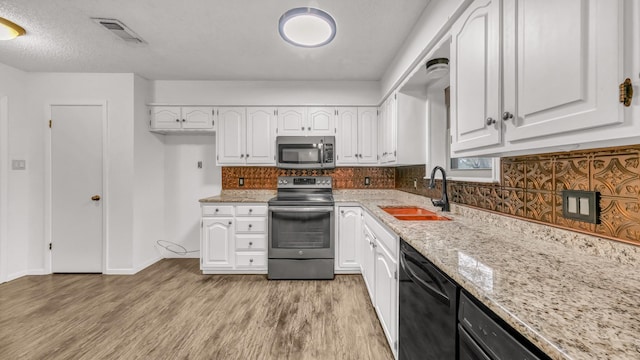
301	209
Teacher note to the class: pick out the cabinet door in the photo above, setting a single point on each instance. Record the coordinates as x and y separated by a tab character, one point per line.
367	260
475	77
321	121
197	118
562	66
349	232
261	134
386	292
217	243
392	129
347	136
367	135
292	121
165	117
231	135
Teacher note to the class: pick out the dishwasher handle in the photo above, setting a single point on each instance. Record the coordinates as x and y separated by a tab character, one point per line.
436	293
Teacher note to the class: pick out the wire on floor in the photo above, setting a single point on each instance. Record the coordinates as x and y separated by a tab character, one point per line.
174	248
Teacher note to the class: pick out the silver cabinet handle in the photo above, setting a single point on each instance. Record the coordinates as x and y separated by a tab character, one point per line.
247	156
341	211
250	210
250	260
491	121
309	128
177	120
250	243
217	210
183	120
507	116
242	155
250	226
302	128
229	222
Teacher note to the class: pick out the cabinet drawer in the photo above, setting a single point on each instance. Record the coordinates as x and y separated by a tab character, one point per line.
256	259
217	210
251	225
251	242
255	210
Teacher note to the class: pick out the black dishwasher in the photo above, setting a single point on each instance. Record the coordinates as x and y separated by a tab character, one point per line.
483	336
428	305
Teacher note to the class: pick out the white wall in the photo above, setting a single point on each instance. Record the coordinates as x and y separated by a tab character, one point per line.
364	93
14	185
432	24
185	184
148	187
117	91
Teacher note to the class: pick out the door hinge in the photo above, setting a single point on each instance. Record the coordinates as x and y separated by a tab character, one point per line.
395	96
394	153
213	122
149	111
213	112
337	157
50	246
335	130
377	157
149	123
276	130
217	157
626	92
395	274
50	123
201	223
377	112
395	345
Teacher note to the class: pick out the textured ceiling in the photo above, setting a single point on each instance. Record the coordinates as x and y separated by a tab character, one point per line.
206	39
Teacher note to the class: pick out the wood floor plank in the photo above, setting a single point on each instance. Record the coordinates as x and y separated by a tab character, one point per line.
171	311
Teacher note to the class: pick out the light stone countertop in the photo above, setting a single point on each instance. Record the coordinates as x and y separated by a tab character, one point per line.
241	196
574	296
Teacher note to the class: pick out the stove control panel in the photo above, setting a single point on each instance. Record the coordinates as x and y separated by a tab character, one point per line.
304	182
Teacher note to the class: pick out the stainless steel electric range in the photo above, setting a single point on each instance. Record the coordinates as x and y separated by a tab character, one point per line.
301	229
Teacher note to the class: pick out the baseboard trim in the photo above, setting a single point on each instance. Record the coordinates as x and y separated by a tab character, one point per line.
17	275
132	271
38	272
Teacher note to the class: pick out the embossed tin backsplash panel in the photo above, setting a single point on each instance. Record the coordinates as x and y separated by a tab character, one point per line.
531	187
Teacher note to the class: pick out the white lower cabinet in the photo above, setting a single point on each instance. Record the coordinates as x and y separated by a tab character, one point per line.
233	239
380	272
349	233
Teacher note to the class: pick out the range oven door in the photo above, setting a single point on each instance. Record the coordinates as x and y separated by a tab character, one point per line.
297	232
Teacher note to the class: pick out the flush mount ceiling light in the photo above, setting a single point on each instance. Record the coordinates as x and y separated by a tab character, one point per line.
307	27
10	30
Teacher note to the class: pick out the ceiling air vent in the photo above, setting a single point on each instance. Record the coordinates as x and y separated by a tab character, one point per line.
120	30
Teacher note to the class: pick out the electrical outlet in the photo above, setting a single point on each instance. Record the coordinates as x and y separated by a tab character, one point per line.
241	181
581	205
367	180
415	184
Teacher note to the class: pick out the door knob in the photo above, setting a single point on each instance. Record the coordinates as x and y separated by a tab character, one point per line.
95	198
507	116
491	121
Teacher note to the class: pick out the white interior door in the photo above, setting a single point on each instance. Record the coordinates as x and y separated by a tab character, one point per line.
76	189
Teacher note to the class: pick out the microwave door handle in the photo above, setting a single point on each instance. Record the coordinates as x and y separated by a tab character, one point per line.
321	152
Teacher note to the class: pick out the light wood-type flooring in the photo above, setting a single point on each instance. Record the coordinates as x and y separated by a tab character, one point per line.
171	311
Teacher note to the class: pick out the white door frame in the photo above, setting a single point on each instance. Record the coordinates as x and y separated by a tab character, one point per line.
4	185
48	179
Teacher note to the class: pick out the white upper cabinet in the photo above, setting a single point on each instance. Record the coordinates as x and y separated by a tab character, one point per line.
321	121
246	136
562	66
231	141
292	121
181	118
356	135
548	81
387	124
302	121
367	135
475	77
261	135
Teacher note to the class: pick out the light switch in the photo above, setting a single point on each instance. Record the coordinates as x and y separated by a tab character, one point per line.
18	164
572	205
584	206
581	205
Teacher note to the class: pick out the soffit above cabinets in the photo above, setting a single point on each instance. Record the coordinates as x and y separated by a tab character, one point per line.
206	40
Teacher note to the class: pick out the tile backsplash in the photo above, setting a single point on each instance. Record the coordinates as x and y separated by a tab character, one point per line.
530	186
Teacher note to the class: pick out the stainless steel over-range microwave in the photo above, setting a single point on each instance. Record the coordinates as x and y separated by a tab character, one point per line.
305	152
